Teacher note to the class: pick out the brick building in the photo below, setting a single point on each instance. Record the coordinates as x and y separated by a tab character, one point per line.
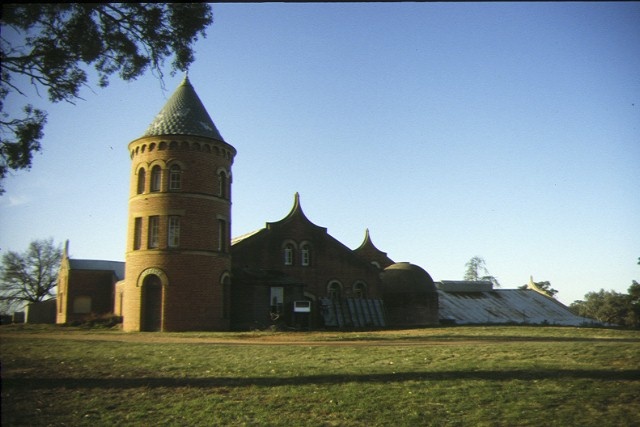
85	287
181	270
332	277
178	261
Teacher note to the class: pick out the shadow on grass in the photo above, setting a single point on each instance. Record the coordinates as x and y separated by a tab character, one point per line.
129	383
490	338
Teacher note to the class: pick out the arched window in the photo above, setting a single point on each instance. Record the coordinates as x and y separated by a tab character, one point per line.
141	181
222	182
360	290
156	178
305	254
334	290
288	254
175	178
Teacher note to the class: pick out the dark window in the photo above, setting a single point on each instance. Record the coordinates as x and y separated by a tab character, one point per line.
360	290
305	254
141	181
156	178
174	232
334	290
154	231
175	178
137	233
222	190
223	242
288	254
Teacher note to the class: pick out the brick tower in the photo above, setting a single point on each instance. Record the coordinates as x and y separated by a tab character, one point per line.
178	259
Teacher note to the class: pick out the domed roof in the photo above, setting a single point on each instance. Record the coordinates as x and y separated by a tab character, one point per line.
184	114
404	277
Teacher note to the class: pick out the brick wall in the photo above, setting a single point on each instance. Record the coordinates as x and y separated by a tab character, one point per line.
330	260
190	274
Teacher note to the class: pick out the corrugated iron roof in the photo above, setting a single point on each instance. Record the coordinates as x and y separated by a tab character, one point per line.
98	265
505	306
184	114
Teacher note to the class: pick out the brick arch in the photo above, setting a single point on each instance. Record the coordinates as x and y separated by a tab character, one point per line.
222	169
335	289
159	162
174	161
142	165
164	279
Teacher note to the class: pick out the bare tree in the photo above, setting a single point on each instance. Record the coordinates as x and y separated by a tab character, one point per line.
30	276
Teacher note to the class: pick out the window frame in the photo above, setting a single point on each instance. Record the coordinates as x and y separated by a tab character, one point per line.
305	254
173	231
153	240
175	178
334	290
360	290
137	233
223	236
289	254
142	178
156	179
224	188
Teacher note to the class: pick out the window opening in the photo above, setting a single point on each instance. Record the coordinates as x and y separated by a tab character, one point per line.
175	178
154	231
156	178
277	302
141	181
137	233
82	305
305	253
223	234
174	232
335	290
288	254
222	180
360	290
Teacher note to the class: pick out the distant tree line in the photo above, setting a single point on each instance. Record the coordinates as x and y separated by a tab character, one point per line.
612	307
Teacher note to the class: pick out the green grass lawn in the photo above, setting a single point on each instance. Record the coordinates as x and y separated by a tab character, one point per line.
466	376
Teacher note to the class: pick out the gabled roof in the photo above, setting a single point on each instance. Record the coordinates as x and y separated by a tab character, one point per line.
244	236
116	267
295	220
184	114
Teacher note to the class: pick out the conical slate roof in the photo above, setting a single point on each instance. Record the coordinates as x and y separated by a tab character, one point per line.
184	114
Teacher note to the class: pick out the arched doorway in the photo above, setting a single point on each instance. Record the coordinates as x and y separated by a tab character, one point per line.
151	304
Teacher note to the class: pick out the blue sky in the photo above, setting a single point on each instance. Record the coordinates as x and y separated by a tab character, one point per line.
510	131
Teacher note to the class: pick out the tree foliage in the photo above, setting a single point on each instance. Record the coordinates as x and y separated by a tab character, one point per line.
611	307
30	276
476	270
50	45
